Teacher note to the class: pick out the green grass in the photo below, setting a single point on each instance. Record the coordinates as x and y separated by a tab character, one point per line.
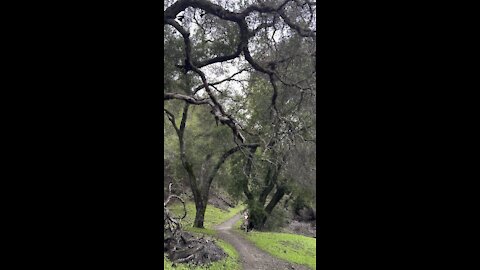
213	216
290	247
238	224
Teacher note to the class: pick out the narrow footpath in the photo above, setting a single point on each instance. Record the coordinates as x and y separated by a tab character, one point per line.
251	257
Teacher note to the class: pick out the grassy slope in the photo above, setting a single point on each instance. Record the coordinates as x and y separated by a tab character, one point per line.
213	216
290	247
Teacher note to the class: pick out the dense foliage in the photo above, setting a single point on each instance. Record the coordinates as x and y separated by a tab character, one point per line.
239	92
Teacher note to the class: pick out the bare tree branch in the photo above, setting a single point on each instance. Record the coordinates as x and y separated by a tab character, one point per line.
188	99
245	34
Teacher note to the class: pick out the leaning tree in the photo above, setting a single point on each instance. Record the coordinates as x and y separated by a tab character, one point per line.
213	51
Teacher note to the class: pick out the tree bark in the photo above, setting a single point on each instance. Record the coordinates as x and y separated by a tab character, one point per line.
270	180
271	205
275	199
201	207
248	174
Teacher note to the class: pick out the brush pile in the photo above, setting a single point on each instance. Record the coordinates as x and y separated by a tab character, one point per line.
183	247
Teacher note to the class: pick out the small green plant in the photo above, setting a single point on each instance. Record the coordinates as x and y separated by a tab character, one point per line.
275	220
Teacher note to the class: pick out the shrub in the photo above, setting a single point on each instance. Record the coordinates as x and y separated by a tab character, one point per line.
276	220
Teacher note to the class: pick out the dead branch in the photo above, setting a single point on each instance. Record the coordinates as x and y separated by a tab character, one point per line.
182	247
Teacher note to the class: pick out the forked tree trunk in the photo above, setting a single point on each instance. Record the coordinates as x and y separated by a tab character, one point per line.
201	186
259	211
262	215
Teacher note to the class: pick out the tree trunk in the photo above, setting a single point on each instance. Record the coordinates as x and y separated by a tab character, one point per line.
273	202
275	199
256	213
200	213
269	184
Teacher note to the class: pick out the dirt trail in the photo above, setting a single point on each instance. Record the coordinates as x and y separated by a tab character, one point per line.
251	257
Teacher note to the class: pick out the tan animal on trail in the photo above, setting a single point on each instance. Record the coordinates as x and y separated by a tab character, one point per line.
245	220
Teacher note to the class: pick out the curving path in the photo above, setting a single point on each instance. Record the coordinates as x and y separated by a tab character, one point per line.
251	257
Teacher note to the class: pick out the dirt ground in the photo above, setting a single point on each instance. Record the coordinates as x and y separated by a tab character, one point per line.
251	257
